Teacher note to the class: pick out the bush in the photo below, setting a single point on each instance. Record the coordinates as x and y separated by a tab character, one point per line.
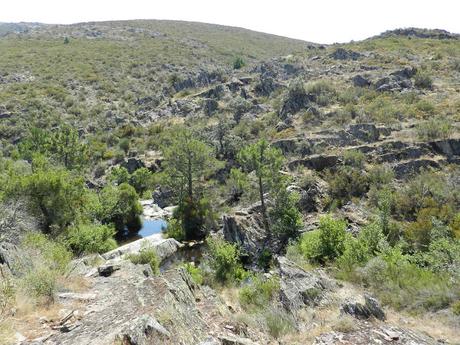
347	182
91	238
354	158
147	255
278	323
238	63
174	230
224	259
54	255
434	129
195	272
258	293
285	216
403	285
456	306
41	284
323	91
423	80
326	243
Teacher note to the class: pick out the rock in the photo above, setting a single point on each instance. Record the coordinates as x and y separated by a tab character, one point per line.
299	288
360	81
73	296
344	54
164	247
286	145
406	169
295	100
210	106
447	147
364	132
405	73
132	164
315	162
210	341
234	340
108	268
370	308
369	334
163	196
144	330
311	196
266	86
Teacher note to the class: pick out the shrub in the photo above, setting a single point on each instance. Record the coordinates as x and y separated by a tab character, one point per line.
238	63
332	234
456	305
258	293
147	255
354	158
54	254
91	238
174	230
435	128
347	182
404	285
41	283
423	80
309	245
195	272
224	260
141	180
323	91
285	216
278	323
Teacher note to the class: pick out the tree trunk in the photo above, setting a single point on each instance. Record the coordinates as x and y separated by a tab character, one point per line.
264	209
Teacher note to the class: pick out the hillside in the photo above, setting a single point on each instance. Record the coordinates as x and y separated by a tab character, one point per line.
311	191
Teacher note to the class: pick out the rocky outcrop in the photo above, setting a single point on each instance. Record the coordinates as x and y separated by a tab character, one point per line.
370	308
164	247
345	54
368	334
315	162
163	196
299	288
447	147
311	196
359	81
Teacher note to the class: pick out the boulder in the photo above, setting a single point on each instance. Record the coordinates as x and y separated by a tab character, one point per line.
315	162
370	308
164	247
366	132
406	169
447	147
344	54
132	164
234	340
360	81
209	106
266	86
311	196
144	330
299	288
163	196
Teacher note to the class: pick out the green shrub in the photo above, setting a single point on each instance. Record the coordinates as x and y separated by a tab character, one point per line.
174	230
278	323
195	272
91	238
354	158
258	293
423	80
403	285
286	217
147	255
434	129
347	182
456	305
238	63
224	259
41	283
323	91
54	255
141	180
327	242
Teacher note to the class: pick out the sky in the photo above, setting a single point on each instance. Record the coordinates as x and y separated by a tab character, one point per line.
321	21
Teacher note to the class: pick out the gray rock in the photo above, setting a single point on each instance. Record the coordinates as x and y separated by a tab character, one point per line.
344	54
107	269
210	106
360	81
447	147
299	288
370	308
132	164
315	162
364	131
234	340
144	330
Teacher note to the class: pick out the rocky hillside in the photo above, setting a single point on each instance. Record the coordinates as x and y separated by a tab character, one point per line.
315	188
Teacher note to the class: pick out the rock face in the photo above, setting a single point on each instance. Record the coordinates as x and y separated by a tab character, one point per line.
344	54
360	81
300	288
164	247
370	308
384	335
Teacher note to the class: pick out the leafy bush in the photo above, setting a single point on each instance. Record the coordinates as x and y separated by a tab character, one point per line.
141	180
174	230
91	238
195	272
423	80
258	293
120	206
347	182
41	283
278	322
456	305
53	254
327	242
434	128
285	216
238	63
323	91
225	261
147	255
354	158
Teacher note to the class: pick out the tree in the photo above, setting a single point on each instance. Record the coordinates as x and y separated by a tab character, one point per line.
186	162
238	62
120	206
266	162
67	148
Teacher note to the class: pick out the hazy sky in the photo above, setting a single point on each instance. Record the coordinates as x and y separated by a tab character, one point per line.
323	21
